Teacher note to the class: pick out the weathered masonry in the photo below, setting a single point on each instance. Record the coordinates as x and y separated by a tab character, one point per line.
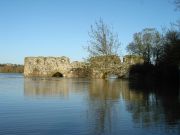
53	67
97	67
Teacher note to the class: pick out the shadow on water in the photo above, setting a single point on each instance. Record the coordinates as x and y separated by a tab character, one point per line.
157	100
110	101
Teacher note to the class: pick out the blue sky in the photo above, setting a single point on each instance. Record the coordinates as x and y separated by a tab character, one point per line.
60	27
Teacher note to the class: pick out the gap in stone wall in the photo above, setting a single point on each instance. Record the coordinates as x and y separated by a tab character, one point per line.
57	74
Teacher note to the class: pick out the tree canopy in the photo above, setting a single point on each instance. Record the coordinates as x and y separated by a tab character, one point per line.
146	43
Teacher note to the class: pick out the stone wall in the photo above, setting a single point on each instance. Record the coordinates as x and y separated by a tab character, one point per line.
53	66
133	59
103	66
97	67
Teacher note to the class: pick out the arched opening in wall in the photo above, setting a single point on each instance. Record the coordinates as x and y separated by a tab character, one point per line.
57	75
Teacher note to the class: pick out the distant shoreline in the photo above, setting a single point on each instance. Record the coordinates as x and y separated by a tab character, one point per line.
11	68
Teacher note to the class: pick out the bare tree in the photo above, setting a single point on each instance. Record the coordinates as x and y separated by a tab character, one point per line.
102	41
177	3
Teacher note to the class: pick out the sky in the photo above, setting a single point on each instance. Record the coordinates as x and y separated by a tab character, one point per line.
60	27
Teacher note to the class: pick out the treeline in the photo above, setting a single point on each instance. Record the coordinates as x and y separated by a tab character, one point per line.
11	68
161	52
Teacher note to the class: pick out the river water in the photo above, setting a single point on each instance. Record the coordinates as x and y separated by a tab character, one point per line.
60	106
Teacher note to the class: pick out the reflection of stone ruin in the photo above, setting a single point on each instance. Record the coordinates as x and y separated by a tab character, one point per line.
46	87
97	67
53	86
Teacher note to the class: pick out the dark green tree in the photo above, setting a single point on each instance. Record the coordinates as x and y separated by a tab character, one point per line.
171	48
147	44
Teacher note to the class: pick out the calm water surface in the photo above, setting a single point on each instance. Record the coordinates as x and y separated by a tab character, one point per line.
59	106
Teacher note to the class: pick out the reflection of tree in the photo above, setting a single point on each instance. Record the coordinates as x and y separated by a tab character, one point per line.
155	106
103	113
146	111
148	108
104	89
106	97
171	104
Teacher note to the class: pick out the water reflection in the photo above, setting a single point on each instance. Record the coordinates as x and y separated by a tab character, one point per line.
45	87
156	101
52	86
103	105
109	102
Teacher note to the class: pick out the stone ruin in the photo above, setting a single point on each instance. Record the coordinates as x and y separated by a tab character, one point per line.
96	67
53	67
